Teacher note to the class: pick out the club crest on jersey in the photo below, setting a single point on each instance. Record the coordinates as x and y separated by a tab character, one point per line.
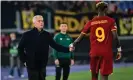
68	39
60	38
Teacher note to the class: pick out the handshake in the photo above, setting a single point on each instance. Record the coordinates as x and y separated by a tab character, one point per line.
71	47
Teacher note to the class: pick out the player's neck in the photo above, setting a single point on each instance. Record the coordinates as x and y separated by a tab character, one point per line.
101	14
63	32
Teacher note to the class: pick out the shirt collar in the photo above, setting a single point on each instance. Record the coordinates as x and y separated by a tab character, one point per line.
38	30
63	34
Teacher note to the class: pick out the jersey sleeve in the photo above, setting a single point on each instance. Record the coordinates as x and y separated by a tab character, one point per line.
86	28
113	26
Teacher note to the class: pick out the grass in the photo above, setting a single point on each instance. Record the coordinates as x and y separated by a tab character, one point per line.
125	73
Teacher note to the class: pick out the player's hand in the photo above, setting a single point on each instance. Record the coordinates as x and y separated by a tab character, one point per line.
71	47
72	62
118	56
57	62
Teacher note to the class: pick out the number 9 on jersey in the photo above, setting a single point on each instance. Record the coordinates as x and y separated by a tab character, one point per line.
100	36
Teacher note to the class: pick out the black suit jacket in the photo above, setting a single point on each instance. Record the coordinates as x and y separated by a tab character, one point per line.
34	46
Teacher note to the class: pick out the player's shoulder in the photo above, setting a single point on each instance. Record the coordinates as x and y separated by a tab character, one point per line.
68	35
57	35
110	18
88	22
105	17
94	18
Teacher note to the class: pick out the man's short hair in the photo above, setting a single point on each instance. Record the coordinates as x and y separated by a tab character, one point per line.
35	17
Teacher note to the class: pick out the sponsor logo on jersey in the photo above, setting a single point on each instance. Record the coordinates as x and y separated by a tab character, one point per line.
68	39
99	22
60	38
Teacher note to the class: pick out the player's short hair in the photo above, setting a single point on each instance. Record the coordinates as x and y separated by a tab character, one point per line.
35	17
63	23
101	5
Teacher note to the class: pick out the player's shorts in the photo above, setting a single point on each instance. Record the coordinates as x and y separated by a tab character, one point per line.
104	64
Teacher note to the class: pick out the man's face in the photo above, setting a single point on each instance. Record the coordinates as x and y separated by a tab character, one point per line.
39	23
63	27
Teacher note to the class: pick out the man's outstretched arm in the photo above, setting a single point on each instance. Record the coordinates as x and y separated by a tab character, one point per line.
57	46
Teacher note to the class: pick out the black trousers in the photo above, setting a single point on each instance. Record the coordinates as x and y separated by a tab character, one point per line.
34	74
65	65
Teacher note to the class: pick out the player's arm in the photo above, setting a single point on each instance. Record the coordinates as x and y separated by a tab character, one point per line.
115	37
82	34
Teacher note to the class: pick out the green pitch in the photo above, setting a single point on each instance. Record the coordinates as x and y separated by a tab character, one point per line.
125	73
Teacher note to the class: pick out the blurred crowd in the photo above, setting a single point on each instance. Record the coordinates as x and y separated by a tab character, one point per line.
74	6
6	42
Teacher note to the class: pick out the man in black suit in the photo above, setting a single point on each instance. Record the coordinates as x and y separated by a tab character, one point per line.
33	49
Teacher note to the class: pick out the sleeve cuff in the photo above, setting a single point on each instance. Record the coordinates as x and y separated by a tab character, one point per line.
83	33
113	29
